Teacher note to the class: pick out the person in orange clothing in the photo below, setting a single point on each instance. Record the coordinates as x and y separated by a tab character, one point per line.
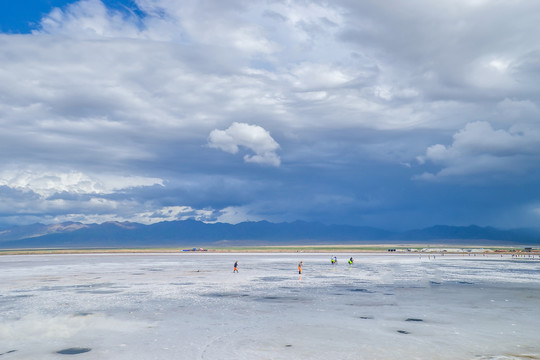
235	266
300	267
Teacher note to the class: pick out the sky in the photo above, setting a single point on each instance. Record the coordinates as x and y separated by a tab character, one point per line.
392	114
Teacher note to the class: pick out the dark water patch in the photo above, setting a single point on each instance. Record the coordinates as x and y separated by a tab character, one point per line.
366	317
76	287
83	314
154	269
435	283
347	286
412	286
73	351
21	291
414	320
99	292
12	298
225	295
22	296
52	288
338	294
278	299
182	283
403	332
362	290
288	345
8	352
141	293
465	283
137	273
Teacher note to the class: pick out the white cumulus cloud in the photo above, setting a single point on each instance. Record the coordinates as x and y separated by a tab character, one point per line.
47	183
252	137
479	148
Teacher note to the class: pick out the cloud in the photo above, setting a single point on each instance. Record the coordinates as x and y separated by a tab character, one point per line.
352	90
251	137
46	183
121	212
237	214
44	195
312	77
174	213
92	19
47	196
479	148
163	20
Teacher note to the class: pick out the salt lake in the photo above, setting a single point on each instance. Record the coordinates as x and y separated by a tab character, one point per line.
192	306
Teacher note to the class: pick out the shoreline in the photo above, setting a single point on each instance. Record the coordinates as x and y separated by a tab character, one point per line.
364	248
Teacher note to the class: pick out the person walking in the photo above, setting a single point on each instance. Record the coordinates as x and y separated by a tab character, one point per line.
235	266
300	267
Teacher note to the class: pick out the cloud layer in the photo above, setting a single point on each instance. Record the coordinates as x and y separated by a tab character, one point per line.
133	111
480	149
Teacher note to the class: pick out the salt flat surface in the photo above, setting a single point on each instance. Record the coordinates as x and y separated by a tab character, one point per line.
192	306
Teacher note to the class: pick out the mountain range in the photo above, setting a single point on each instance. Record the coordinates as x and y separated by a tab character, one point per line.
193	233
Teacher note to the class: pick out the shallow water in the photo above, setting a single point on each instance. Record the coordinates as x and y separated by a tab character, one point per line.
192	306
